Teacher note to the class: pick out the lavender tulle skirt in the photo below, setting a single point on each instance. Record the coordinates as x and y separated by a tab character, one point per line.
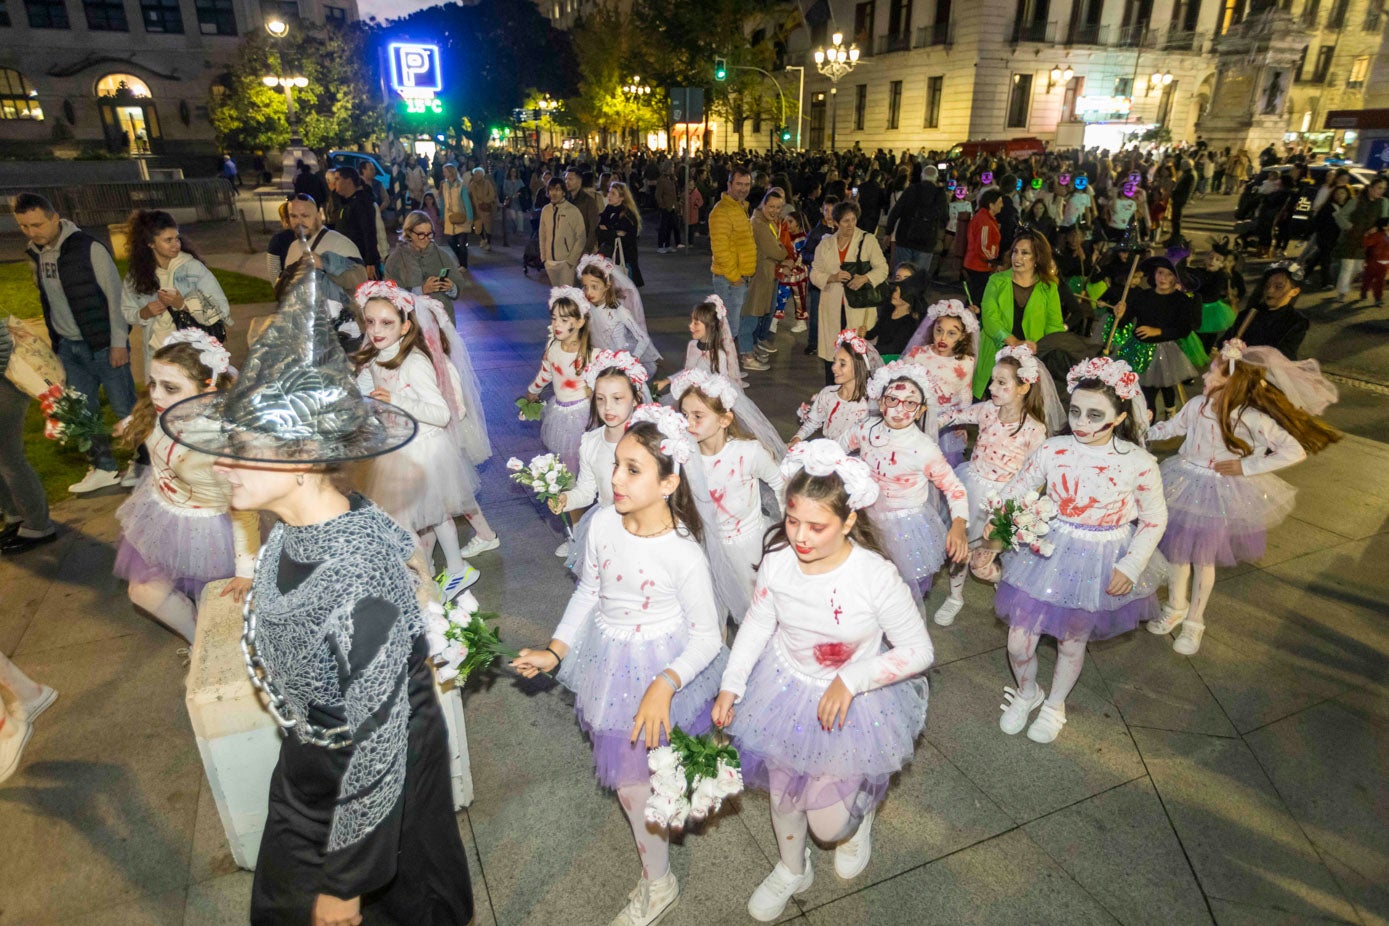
914	539
785	751
1220	520
952	445
1063	595
609	668
1169	366
562	426
159	542
978	489
424	483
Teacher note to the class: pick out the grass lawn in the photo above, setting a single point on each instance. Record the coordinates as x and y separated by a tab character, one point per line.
57	466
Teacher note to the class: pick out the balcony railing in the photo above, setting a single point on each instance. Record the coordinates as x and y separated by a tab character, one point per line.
891	43
1131	36
1034	32
1087	34
936	34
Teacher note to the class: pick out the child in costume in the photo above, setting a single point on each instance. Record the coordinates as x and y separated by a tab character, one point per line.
824	714
946	345
1151	323
616	319
567	353
841	406
711	348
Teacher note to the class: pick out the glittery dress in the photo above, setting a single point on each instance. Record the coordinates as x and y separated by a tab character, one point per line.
566	412
953	378
831	415
1000	450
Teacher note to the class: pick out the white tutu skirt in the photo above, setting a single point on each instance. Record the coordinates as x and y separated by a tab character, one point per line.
562	426
609	668
914	539
785	751
1169	367
978	489
424	483
187	549
1220	520
1063	595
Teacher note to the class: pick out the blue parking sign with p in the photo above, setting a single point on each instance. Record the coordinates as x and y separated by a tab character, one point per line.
415	69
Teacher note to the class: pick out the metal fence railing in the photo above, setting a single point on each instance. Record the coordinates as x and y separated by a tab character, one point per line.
109	203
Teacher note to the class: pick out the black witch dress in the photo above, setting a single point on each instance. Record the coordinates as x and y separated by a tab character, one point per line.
360	800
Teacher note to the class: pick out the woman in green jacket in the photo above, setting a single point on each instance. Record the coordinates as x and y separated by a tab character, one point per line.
1021	305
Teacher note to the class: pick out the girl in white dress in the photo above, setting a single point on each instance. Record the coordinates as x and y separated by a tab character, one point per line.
617	319
567	352
711	348
946	344
839	407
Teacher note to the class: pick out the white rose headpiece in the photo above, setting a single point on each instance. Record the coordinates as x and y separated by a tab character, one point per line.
714	385
572	293
211	353
824	457
607	359
902	369
955	309
596	260
720	309
1116	374
676	442
1232	351
850	338
1028	370
402	299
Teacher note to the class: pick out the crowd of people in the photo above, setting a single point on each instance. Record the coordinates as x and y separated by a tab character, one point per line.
359	423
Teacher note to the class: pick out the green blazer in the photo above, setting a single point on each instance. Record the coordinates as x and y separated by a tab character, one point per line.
1041	317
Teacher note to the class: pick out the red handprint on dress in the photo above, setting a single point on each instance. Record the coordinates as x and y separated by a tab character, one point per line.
1066	503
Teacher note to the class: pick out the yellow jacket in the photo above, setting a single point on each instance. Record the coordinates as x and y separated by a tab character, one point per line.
730	238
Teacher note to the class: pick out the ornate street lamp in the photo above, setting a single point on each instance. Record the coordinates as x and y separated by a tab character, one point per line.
288	84
836	62
636	92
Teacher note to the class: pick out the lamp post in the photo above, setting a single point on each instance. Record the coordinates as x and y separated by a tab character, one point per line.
548	107
288	84
277	27
836	62
636	92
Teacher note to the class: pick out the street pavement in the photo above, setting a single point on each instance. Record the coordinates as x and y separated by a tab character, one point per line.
1243	785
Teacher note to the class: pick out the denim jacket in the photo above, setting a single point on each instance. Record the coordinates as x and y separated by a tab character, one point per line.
202	294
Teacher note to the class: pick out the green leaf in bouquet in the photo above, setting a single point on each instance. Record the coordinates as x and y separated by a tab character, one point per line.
484	645
700	755
530	409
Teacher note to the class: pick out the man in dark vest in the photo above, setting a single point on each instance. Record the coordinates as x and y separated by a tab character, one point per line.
917	221
80	289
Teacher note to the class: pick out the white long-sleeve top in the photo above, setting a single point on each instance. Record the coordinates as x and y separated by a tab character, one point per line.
952	376
906	462
831	415
413	386
698	359
562	369
184	481
595	479
1108	485
1274	448
733	474
832	624
641	582
998	452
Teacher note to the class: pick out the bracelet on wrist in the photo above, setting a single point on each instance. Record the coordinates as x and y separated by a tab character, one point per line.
558	660
665	677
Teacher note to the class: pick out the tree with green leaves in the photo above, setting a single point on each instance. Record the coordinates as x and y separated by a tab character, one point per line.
612	54
340	106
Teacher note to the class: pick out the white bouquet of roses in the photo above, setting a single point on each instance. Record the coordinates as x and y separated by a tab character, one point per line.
547	477
1021	522
690	779
460	639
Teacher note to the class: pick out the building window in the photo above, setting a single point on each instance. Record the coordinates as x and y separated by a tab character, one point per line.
1301	63
863	26
47	14
1359	70
216	17
894	104
4	13
1337	18
1374	17
106	15
335	15
1323	63
1019	101
162	15
935	86
1165	104
279	9
1123	86
860	105
17	98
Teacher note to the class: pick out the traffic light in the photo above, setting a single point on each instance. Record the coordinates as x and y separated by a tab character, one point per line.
785	133
720	69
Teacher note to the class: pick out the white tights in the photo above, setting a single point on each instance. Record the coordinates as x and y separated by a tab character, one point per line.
958	573
653	845
1180	580
167	605
1022	658
828	824
447	536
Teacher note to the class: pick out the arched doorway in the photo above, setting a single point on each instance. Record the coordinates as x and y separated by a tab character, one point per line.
128	116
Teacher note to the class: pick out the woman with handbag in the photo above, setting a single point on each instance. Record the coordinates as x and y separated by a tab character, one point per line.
849	270
619	227
458	211
167	287
484	195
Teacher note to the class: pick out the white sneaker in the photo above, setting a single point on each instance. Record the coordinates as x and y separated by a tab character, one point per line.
131	477
798	327
1188	642
852	855
562	551
1048	724
478	545
771	897
945	615
768	346
1171	617
662	250
12	747
1016	709
650	902
95	481
28	711
460	581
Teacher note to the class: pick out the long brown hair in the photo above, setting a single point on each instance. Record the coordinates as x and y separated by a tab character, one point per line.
610	299
594	419
143	226
1041	254
1248	388
410	340
860	363
628	203
568	308
830	492
681	501
707	314
186	357
735	430
1033	403
963	347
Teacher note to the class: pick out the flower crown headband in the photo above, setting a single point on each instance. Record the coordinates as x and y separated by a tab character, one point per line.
1232	351
955	309
1028	371
675	431
573	294
850	338
714	385
824	457
902	369
620	359
597	260
402	299
720	309
211	353
1116	374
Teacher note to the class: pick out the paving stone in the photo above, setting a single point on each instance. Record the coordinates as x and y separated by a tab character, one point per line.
1154	687
164	909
